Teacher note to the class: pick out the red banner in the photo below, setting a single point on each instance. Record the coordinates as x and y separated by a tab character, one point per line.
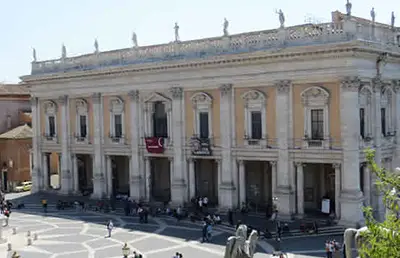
154	144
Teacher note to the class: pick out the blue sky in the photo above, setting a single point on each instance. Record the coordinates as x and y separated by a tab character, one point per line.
46	24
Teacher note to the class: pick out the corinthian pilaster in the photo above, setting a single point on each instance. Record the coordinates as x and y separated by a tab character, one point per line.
37	175
179	192
136	178
99	188
351	195
227	189
284	190
66	178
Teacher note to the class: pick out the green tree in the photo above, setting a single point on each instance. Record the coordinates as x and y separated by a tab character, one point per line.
383	238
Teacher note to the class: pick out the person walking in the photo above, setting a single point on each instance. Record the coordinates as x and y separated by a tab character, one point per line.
44	205
230	217
110	227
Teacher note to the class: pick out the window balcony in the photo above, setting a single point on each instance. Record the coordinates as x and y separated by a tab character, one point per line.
389	138
47	137
268	143
366	142
315	143
80	139
117	139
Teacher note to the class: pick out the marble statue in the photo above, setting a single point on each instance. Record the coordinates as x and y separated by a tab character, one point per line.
239	246
134	40
176	29
373	15
281	18
63	52
348	8
34	54
226	25
2	220
393	20
96	46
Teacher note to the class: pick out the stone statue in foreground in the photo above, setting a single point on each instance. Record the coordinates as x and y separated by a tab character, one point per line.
239	246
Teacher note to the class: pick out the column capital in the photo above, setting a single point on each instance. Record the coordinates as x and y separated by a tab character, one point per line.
273	163
176	92
240	162
336	165
134	95
34	101
190	159
396	86
171	159
218	161
226	89
350	84
299	164
283	86
96	97
377	84
63	99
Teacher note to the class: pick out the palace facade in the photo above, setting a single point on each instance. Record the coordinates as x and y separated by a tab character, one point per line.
284	113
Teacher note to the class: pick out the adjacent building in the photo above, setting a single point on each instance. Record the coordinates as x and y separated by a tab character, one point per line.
284	113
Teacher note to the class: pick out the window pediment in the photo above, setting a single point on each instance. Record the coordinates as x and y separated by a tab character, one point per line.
254	99
81	106
155	96
50	107
201	100
365	96
116	105
315	96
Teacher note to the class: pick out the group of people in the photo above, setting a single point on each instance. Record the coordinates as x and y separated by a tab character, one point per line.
5	208
178	255
332	249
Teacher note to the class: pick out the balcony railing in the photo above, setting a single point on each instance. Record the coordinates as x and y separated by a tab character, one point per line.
81	139
50	137
263	143
116	139
308	143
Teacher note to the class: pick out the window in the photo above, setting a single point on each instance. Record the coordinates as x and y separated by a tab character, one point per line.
383	120
83	126
204	129
317	124
118	126
160	120
362	122
52	126
256	125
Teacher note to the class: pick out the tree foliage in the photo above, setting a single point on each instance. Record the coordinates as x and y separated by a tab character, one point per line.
383	238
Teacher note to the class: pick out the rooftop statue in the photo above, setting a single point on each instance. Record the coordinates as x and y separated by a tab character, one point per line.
34	54
393	20
281	18
96	46
373	15
226	25
176	29
239	246
134	40
63	51
348	8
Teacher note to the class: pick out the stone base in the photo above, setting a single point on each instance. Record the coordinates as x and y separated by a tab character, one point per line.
351	207
179	194
225	196
284	203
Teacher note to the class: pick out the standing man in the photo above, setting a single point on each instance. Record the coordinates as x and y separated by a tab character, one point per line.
110	227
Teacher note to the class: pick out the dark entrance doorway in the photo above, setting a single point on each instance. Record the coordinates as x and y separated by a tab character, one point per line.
206	174
160	180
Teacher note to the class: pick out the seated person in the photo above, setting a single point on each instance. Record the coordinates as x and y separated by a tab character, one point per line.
216	219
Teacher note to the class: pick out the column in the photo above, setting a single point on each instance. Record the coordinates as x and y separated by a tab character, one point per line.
273	178
46	176
178	171
300	189
284	189
109	176
75	173
351	195
147	166
192	179
338	188
219	171
242	182
37	179
226	186
171	178
367	184
135	177
377	200
396	88
99	189
66	178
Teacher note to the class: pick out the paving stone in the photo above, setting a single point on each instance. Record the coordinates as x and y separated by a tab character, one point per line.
101	242
153	243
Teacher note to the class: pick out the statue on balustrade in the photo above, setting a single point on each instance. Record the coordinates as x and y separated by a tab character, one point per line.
34	54
393	20
226	25
348	8
63	52
239	246
96	46
176	29
134	40
281	18
373	15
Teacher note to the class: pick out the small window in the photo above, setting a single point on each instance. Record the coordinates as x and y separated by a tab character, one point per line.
383	120
118	126
83	126
256	125
317	124
362	122
52	126
204	129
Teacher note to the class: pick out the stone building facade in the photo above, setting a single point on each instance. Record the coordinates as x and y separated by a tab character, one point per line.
283	113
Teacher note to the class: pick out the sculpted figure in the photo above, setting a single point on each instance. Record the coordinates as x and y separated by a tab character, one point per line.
393	20
134	40
34	55
176	29
348	8
239	246
373	14
96	46
226	25
63	51
281	18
